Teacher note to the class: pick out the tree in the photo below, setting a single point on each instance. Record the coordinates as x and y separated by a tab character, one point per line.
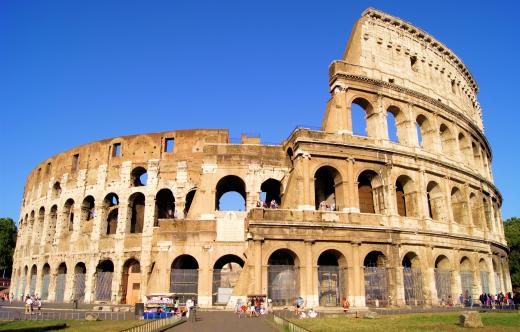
7	245
512	233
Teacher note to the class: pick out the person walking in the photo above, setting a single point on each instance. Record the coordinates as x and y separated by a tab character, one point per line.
346	305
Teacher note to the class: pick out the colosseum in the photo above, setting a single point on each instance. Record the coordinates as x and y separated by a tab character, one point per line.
402	214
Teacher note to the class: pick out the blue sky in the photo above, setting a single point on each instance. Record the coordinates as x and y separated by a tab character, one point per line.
72	72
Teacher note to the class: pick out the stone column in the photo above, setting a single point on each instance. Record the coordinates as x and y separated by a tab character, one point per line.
205	279
89	281
257	243
492	284
308	201
357	275
52	285
310	291
352	197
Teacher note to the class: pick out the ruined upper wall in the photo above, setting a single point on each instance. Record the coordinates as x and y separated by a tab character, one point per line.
384	47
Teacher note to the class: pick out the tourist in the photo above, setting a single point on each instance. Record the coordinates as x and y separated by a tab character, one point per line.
273	204
28	304
189	307
252	308
461	300
470	300
176	305
346	305
312	313
450	302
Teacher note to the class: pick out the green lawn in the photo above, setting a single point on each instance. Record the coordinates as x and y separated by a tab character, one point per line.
495	322
72	325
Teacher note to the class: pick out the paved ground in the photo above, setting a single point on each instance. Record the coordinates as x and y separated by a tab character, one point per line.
217	321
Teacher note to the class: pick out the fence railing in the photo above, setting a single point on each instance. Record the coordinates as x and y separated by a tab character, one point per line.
286	325
154	325
65	315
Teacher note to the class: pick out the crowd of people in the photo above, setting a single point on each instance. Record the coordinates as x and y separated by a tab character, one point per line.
255	306
499	300
272	205
33	303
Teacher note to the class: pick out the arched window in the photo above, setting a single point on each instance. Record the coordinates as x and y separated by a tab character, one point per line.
406	197
46	278
226	272
164	205
458	206
136	204
189	200
395	124
466	277
104	273
400	199
362	125
412	278
282	277
56	190
484	276
464	148
424	133
270	191
230	194
80	273
87	214
370	192
68	214
61	279
326	179
139	177
331	278
442	273
32	289
376	279
435	200
447	140
111	211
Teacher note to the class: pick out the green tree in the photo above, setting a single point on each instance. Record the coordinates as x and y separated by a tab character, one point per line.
512	233
7	244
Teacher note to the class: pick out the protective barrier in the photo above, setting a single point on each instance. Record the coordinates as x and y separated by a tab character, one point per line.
104	286
224	281
79	286
413	290
45	286
443	283
32	289
60	287
484	280
283	283
376	286
184	283
330	285
466	283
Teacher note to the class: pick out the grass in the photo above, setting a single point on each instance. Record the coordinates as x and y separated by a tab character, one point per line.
72	325
495	321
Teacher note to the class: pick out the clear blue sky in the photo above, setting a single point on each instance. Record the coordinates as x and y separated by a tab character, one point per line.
72	72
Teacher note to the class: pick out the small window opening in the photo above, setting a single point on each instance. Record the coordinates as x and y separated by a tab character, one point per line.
116	150
413	63
169	144
75	162
453	87
139	177
391	80
38	173
48	169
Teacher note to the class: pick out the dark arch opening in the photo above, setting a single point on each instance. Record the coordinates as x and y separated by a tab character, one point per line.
226	272
376	279
164	205
282	277
228	184
271	189
111	210
137	204
184	277
331	278
68	213
46	274
189	200
80	273
61	280
366	191
326	179
412	279
104	274
139	176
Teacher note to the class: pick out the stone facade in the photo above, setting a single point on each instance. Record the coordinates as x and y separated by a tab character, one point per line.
410	221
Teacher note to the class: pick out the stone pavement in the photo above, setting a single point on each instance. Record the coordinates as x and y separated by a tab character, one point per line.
216	321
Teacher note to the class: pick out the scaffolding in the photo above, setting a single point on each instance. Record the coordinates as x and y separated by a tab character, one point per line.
224	280
484	280
331	285
184	283
413	289
376	286
104	286
443	284
466	283
283	284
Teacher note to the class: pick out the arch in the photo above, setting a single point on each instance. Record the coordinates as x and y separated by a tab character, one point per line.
51	225
376	279
425	132
442	274
164	205
331	277
104	274
111	212
464	147
80	273
370	192
131	282
189	200
435	200
184	277
497	274
412	279
87	214
466	277
475	210
396	125
39	225
447	140
34	272
230	183
139	177
484	275
326	179
362	123
61	280
487	213
68	214
406	196
56	190
458	206
226	272
271	191
46	275
282	277
136	203
476	155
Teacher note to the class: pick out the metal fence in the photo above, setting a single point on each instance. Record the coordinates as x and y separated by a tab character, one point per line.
287	325
484	281
65	315
443	283
154	325
104	286
60	287
466	283
32	289
184	283
224	280
498	284
282	284
376	286
413	289
79	286
330	285
45	286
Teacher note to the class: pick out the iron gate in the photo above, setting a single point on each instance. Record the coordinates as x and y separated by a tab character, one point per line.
443	284
24	284
44	294
32	289
466	283
104	286
330	285
184	283
60	287
224	280
413	290
79	286
282	284
498	283
376	286
484	280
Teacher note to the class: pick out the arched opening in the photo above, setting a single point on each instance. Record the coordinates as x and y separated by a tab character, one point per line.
184	278
484	276
331	278
400	199
68	215
189	200
464	148
362	125
51	226
487	213
424	132
230	194
111	211
46	278
226	272
466	277
435	200
376	280
80	273
476	155
447	140
497	274
370	192
164	206
282	277
326	179
32	289
442	273
395	121
38	229
87	214
139	177
406	196
56	190
458	206
475	210
61	279
412	279
24	281
290	155
104	273
270	192
136	204
131	282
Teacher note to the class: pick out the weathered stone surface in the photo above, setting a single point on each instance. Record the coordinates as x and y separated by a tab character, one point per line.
91	317
470	319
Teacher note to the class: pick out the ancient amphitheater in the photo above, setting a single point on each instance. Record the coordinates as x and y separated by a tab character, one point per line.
401	219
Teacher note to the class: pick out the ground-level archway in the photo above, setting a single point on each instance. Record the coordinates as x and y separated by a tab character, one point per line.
61	279
104	273
442	278
226	272
412	280
131	282
80	273
46	278
376	279
331	278
184	278
282	277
